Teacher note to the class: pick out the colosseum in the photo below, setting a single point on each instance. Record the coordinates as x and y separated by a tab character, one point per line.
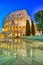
14	24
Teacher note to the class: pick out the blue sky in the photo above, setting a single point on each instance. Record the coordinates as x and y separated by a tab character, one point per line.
8	6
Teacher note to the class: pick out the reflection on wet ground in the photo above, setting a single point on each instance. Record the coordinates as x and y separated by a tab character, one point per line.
21	52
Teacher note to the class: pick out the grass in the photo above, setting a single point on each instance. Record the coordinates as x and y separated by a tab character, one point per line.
38	38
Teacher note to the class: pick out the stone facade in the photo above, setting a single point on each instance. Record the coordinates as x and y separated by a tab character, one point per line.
14	24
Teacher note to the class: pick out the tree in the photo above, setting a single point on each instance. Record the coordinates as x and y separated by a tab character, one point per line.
32	28
38	17
27	28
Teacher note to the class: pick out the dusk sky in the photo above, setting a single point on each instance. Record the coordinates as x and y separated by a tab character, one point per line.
8	6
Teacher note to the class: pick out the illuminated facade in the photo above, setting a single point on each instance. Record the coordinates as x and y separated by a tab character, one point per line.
2	35
15	24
